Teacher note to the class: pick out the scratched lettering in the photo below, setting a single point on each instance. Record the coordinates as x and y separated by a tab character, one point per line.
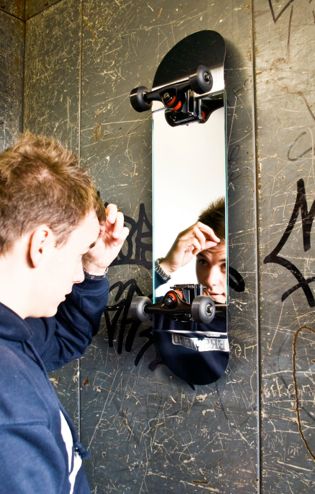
294	154
277	16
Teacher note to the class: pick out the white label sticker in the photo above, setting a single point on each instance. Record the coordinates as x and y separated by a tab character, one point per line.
202	344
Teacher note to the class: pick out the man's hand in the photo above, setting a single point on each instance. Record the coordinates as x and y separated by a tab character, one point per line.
187	245
112	235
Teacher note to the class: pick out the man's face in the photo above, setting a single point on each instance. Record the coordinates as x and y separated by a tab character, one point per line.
64	267
211	272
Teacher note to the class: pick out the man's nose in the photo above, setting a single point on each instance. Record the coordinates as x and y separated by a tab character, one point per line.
213	278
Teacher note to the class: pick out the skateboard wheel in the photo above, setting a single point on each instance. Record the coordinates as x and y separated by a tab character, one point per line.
203	309
138	99
137	308
202	81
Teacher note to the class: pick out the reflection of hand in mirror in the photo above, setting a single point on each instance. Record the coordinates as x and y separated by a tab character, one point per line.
204	241
188	244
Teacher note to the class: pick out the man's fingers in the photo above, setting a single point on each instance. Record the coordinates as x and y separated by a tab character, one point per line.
201	237
115	223
111	213
208	231
119	230
125	232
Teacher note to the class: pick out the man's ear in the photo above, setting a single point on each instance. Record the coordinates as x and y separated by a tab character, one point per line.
41	241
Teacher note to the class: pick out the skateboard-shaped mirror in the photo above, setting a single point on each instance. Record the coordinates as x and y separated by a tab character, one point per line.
190	282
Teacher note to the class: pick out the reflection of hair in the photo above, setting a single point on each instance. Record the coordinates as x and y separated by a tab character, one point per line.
41	183
214	216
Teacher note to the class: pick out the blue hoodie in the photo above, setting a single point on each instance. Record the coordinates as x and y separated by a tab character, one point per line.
39	448
197	353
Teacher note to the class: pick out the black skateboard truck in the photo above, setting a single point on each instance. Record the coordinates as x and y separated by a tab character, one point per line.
179	98
181	303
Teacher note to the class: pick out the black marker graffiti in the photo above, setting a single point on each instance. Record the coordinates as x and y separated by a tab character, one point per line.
307	222
138	246
236	280
119	319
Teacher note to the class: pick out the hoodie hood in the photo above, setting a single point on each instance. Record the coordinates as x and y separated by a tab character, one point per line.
12	326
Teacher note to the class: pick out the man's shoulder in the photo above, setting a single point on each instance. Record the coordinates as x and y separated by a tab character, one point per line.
10	356
23	387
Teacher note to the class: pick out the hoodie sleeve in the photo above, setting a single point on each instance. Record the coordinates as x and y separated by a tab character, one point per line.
66	336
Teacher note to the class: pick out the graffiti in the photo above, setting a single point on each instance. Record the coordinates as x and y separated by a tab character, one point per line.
276	16
293	153
116	316
307	222
236	280
138	246
298	399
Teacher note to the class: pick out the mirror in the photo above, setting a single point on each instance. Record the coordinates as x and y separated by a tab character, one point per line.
190	273
188	174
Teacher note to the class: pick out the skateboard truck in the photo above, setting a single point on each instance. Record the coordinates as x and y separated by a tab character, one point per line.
181	303
179	98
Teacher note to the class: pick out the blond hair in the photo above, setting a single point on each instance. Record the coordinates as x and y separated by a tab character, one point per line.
41	182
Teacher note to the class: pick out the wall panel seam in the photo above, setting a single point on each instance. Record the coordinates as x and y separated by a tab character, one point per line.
257	279
23	75
79	157
41	11
12	15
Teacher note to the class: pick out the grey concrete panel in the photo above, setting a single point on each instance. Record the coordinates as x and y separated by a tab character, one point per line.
285	110
11	78
52	84
147	431
13	7
52	75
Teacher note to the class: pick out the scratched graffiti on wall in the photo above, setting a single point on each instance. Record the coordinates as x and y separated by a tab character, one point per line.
278	11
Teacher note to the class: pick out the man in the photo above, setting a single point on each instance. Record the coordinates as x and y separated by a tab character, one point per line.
204	241
53	250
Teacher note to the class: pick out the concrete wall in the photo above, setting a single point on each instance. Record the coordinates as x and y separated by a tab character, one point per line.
11	75
252	431
285	155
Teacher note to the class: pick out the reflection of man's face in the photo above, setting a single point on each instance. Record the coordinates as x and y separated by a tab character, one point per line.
211	272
